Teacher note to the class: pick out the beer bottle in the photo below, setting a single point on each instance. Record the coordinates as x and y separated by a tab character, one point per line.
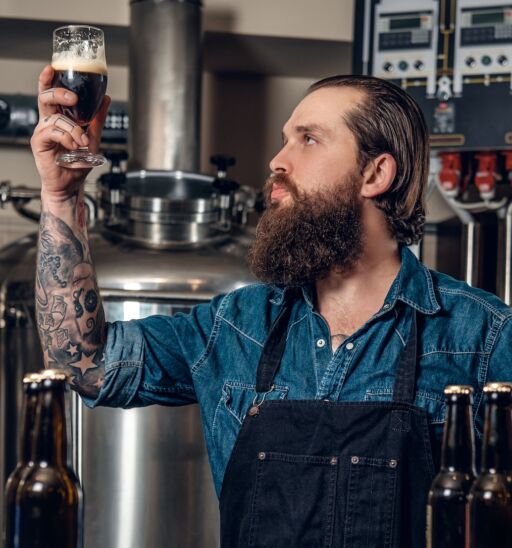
49	499
446	510
489	506
30	394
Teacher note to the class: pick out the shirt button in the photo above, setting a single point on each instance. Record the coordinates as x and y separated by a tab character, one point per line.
386	306
349	346
320	343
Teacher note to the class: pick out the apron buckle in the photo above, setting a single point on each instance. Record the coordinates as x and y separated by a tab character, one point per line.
255	406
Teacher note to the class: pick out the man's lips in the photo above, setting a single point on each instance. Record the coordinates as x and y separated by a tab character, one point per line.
278	192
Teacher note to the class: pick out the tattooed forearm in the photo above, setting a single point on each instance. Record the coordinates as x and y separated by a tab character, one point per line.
70	315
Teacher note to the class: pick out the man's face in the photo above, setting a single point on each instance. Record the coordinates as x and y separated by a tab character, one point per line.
318	148
313	221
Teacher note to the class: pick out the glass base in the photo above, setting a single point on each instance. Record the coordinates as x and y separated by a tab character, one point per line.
80	159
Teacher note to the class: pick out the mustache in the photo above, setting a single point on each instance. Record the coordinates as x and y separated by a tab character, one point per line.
282	180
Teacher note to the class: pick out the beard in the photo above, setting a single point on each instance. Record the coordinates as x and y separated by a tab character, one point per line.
301	242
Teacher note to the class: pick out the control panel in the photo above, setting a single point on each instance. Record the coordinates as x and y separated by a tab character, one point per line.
453	56
403	46
19	117
484	39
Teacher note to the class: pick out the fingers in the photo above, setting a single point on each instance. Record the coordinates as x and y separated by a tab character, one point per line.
48	137
45	79
62	123
56	128
49	98
52	99
96	126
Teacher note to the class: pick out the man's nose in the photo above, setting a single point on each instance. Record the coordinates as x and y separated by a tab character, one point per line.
280	163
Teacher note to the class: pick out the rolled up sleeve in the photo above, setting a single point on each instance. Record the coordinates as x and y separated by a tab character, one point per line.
149	361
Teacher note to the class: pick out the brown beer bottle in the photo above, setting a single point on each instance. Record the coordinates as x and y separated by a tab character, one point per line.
446	510
490	503
30	395
49	499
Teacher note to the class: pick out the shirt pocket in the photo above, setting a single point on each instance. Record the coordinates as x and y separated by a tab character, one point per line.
432	402
234	403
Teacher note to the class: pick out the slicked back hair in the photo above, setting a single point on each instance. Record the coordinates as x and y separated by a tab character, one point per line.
390	121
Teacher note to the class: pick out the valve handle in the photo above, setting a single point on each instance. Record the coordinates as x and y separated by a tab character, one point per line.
115	177
222	162
115	157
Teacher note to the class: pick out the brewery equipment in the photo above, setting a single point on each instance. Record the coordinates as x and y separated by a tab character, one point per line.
455	58
164	238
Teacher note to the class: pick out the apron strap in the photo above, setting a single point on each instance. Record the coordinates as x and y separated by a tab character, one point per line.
273	350
405	376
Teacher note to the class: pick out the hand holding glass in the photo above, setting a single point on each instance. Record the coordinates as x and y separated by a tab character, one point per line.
79	65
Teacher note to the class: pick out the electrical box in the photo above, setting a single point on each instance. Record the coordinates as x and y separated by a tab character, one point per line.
453	56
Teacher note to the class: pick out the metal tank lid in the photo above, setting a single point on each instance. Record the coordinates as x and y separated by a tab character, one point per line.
169	192
168	210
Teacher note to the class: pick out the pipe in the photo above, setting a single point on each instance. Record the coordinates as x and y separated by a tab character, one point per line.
20	196
507	297
165	84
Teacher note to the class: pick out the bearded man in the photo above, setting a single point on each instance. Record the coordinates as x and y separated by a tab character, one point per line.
321	388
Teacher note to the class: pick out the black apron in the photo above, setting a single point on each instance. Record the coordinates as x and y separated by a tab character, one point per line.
321	474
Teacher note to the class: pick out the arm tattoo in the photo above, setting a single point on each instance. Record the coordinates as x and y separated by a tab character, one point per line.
70	315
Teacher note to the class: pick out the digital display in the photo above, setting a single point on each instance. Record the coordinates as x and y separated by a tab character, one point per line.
405	23
488	18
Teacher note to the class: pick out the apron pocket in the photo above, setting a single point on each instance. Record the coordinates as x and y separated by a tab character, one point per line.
370	502
293	501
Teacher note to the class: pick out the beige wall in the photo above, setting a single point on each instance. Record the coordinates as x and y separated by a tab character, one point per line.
322	19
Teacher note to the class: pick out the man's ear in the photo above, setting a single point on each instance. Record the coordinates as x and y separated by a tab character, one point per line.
378	175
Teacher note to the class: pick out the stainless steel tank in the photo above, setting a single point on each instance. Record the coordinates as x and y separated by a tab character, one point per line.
168	240
145	471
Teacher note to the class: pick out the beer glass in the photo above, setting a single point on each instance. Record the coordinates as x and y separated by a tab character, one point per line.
80	65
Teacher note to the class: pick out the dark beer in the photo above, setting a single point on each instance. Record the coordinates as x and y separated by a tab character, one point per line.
89	83
446	510
49	500
490	508
31	391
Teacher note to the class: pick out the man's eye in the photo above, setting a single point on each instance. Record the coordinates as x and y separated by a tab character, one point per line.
309	140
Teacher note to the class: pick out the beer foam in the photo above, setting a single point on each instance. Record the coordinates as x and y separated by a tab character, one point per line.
69	60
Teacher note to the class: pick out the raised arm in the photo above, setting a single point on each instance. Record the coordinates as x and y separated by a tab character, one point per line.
69	311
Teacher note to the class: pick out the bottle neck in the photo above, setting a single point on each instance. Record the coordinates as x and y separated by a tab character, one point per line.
458	450
495	448
27	423
50	444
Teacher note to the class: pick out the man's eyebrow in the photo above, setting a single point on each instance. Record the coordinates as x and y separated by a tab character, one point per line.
310	128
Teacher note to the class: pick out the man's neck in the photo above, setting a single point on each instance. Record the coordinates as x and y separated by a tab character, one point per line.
348	300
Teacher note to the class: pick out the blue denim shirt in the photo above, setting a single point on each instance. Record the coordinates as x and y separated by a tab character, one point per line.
211	355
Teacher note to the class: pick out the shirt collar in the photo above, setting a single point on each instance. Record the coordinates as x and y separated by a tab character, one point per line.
413	286
281	292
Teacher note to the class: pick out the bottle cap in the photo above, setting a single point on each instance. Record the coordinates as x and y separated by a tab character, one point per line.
458	389
54	375
498	387
31	377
